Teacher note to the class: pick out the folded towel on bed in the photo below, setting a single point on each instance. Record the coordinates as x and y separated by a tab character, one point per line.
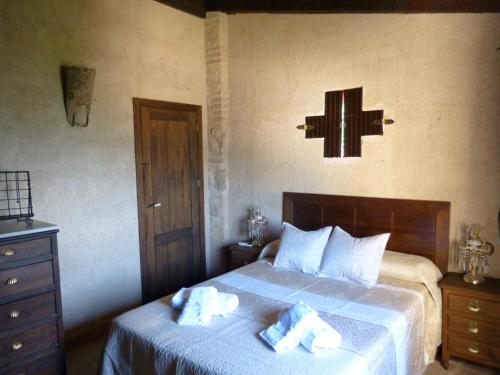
226	302
292	324
179	299
300	324
320	336
199	304
199	307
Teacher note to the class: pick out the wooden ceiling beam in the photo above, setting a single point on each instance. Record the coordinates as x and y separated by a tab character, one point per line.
200	7
353	6
194	7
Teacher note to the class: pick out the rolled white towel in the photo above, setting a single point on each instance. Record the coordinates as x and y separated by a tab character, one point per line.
179	299
292	323
199	306
320	336
225	305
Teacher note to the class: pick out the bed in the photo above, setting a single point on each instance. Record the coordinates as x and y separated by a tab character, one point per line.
392	328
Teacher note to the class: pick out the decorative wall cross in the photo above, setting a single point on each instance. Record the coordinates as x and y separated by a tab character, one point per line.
344	123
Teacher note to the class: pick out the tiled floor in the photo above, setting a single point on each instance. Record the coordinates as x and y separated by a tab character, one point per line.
84	361
459	367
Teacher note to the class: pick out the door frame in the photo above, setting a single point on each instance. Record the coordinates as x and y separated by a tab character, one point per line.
139	171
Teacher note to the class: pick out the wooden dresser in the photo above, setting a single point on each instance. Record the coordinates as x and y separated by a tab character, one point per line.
471	320
31	327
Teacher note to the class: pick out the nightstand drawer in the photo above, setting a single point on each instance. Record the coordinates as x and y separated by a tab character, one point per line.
23	279
25	250
474	327
473	349
22	344
242	258
19	313
474	306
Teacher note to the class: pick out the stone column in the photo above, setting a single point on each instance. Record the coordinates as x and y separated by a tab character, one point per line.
218	133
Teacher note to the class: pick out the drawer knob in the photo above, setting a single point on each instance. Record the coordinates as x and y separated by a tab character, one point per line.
474	306
14	314
473	348
11	281
473	328
17	345
8	252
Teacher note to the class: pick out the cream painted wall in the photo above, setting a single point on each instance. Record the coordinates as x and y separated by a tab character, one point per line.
84	178
436	75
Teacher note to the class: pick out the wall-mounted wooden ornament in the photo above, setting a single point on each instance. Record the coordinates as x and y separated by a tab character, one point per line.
78	88
344	123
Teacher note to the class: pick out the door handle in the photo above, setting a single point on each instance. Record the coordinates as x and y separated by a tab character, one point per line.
154	205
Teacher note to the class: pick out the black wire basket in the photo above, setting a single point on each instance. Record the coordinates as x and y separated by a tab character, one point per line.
15	196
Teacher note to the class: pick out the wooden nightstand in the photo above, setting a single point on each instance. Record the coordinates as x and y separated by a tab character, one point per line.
471	320
240	256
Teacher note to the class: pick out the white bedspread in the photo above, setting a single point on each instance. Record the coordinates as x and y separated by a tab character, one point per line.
389	329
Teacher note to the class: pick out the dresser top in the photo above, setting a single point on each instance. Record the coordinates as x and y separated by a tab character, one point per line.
13	228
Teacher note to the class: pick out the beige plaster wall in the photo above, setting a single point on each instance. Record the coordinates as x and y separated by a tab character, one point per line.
84	178
436	75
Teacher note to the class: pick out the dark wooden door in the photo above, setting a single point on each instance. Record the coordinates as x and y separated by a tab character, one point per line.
168	147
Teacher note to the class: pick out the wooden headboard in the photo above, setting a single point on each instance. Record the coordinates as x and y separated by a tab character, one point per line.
416	227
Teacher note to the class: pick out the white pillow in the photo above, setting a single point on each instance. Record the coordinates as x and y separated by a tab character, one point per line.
300	250
351	258
414	268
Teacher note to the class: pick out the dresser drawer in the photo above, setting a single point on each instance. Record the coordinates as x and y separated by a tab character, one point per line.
474	349
23	279
17	314
25	250
14	347
48	365
474	306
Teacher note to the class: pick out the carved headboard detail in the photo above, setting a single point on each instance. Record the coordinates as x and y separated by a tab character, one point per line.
416	227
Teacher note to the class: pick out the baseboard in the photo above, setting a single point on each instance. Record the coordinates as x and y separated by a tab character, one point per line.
90	331
83	334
